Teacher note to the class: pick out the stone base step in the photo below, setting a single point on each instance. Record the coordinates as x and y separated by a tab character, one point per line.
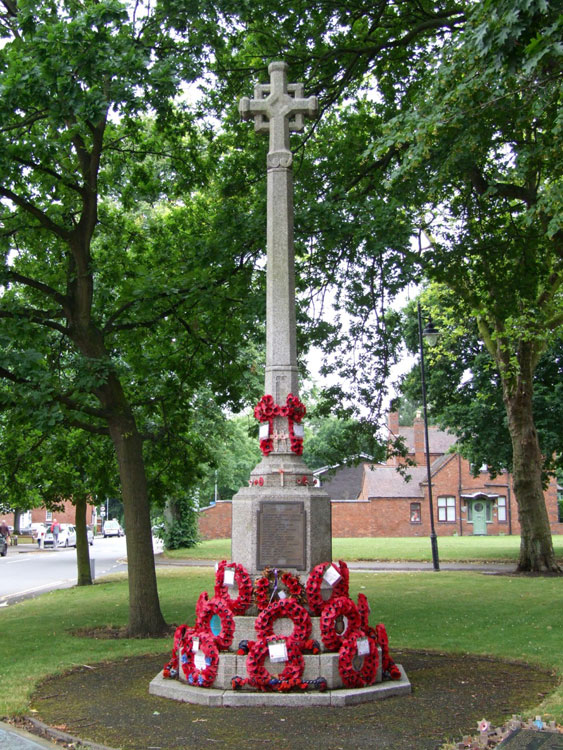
319	665
180	691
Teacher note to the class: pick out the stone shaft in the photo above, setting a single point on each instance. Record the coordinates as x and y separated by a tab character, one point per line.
280	519
277	108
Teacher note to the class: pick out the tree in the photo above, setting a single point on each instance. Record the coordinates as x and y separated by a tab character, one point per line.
116	308
451	131
465	391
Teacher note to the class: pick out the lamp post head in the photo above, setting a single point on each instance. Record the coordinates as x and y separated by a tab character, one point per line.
431	333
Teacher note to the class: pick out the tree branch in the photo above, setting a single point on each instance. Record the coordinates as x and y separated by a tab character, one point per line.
34	284
505	189
42	217
35	317
51	172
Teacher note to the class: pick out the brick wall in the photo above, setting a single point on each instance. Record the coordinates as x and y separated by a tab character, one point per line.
215	521
391	516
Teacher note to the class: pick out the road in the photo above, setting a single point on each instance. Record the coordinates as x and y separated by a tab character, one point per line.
25	574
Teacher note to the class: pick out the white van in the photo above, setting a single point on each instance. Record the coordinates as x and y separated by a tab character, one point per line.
112	528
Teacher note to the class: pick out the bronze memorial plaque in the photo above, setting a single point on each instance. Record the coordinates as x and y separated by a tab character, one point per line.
281	535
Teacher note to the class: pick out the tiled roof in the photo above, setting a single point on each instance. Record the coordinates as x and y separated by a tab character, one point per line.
344	484
440	441
385	481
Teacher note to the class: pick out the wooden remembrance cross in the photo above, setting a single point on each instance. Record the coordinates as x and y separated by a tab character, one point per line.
281	519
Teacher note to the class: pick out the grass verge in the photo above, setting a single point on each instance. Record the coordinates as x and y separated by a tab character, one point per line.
514	618
415	549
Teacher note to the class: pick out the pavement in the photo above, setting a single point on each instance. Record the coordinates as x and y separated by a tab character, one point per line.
12	738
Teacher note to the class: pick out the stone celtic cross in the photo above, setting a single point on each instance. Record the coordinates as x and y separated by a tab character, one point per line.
277	109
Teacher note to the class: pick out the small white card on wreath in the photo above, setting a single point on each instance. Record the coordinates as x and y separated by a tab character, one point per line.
264	431
199	660
229	577
195	645
282	595
298	430
331	575
278	651
362	644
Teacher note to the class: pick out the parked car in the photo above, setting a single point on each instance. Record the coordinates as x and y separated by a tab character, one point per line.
67	536
3	546
112	528
90	533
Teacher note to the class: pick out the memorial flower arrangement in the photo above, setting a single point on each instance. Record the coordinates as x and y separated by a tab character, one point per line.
217	607
242	602
341	609
265	411
344	627
315	580
289	608
276	583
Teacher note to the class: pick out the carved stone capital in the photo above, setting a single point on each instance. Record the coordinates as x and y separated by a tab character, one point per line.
277	159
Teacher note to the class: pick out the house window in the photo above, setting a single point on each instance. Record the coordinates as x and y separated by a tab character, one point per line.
48	515
446	509
501	509
415	513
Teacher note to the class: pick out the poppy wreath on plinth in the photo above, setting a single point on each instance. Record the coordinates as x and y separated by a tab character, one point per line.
390	670
195	675
170	669
265	411
264	624
243	581
366	675
217	607
341	607
364	610
261	678
314	583
274	580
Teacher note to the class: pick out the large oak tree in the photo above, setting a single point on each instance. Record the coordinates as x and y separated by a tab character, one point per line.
117	306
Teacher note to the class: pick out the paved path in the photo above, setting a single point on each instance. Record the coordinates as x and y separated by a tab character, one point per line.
12	738
374	566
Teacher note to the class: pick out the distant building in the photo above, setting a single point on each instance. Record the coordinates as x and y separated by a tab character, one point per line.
374	500
41	515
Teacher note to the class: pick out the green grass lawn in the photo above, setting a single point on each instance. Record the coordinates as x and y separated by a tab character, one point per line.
510	617
450	548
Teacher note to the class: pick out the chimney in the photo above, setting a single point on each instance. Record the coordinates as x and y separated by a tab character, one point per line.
419	447
393	422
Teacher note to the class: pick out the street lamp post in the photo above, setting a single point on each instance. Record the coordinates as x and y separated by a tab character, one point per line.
430	333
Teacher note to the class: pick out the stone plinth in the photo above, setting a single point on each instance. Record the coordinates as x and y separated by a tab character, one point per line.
286	527
179	691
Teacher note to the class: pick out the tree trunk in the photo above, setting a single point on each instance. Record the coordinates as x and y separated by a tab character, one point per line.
82	551
145	616
536	548
17	519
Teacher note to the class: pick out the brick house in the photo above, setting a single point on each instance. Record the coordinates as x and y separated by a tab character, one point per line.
41	515
374	500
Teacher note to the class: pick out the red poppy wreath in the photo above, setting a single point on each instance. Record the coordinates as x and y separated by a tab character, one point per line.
219	607
274	582
367	673
314	583
199	669
289	608
170	669
243	581
340	610
261	678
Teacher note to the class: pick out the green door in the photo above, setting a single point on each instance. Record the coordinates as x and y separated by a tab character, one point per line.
479	517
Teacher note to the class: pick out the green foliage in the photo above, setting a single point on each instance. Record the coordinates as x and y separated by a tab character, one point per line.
178	527
464	387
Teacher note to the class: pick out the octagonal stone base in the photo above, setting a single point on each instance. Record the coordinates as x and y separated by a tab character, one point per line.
180	691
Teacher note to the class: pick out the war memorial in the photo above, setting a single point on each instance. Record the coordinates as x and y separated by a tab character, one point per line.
280	628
